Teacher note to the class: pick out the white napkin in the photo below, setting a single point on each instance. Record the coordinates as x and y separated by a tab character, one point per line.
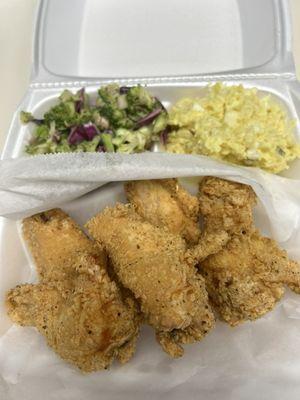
32	184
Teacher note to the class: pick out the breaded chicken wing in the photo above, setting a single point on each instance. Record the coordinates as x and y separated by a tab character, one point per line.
165	203
77	307
246	277
226	206
55	242
150	261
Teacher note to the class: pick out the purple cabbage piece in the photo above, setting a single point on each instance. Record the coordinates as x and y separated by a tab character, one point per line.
82	132
164	135
79	104
124	89
77	135
90	131
148	118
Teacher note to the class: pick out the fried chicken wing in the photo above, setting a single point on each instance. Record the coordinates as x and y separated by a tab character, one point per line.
226	206
55	242
165	203
246	277
76	306
150	261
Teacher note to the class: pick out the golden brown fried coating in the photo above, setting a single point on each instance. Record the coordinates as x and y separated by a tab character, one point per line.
226	206
165	203
246	277
227	209
210	243
55	242
77	307
150	261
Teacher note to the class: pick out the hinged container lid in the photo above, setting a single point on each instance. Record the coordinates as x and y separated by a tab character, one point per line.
83	40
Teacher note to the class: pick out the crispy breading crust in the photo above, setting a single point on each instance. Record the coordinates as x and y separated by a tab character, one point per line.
246	277
150	261
55	242
76	307
226	206
165	203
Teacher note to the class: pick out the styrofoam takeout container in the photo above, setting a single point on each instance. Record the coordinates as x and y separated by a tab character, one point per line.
175	47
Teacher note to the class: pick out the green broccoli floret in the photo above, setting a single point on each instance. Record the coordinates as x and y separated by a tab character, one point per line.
140	95
106	139
123	110
44	147
80	95
88	146
140	102
62	146
127	141
41	133
108	95
26	117
63	114
108	103
66	113
115	116
67	95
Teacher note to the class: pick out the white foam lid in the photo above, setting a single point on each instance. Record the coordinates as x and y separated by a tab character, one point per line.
135	38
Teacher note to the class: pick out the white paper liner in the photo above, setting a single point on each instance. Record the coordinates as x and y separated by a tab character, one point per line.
257	360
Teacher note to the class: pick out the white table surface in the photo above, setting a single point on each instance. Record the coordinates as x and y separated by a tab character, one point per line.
16	24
